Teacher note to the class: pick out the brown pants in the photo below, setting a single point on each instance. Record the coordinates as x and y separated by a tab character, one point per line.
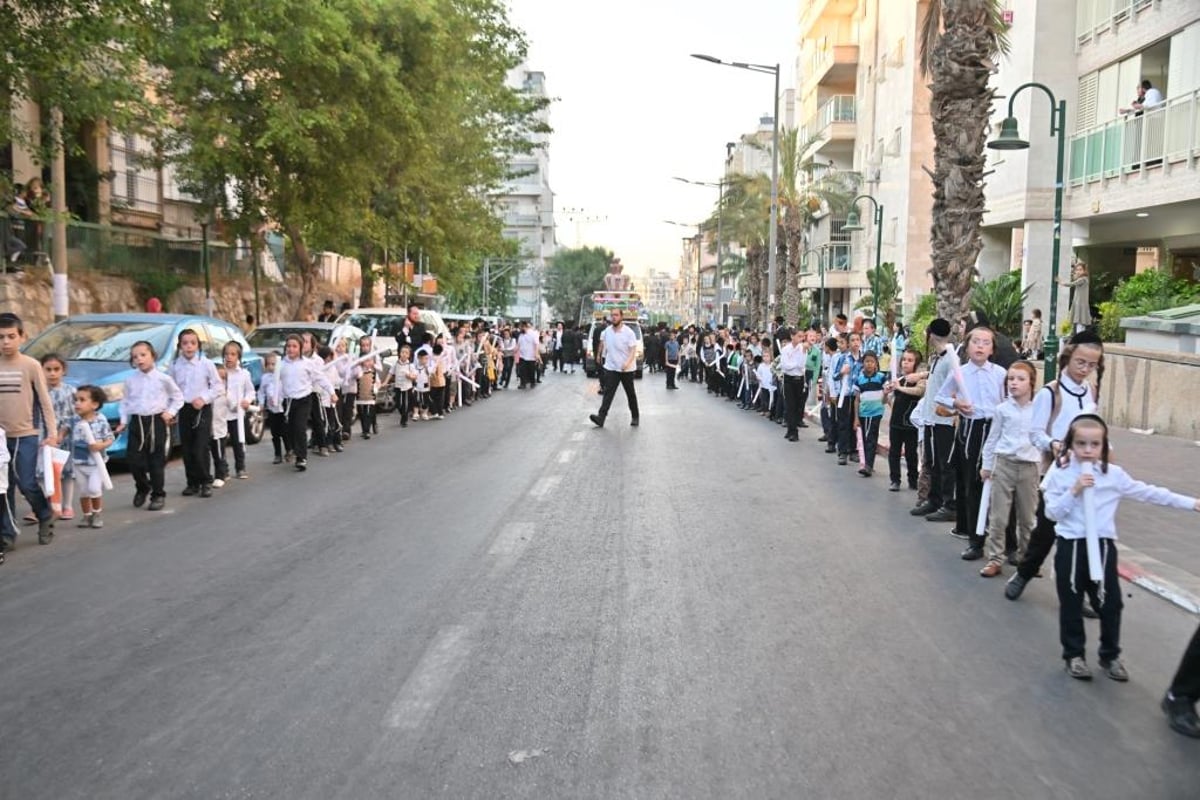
1016	482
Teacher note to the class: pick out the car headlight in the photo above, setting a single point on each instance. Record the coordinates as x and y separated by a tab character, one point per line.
114	391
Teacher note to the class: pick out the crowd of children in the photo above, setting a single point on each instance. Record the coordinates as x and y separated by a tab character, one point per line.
1015	468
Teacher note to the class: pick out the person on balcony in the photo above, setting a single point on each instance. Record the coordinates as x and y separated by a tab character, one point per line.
1147	97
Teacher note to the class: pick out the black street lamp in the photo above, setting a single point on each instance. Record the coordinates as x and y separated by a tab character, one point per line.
853	225
1010	139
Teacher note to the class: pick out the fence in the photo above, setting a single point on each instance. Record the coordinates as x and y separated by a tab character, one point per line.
1167	133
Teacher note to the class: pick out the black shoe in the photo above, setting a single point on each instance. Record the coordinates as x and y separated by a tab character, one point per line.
206	490
139	499
822	438
972	553
842	461
943	514
301	465
957	534
156	503
923	509
46	531
366	436
795	437
1181	715
633	423
912	485
597	420
830	449
1015	585
802	424
190	491
1090	612
894	487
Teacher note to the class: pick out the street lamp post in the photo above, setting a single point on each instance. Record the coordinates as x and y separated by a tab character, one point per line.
773	234
821	272
1010	139
699	237
853	226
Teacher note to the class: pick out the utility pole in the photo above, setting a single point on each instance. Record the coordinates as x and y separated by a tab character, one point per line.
58	198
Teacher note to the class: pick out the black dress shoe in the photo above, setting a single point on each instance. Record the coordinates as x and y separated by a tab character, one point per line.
943	514
1015	585
633	423
1181	715
923	509
597	420
139	499
190	491
206	490
972	553
1089	612
802	424
822	438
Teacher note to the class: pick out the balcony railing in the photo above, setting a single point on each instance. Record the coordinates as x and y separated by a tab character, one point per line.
835	257
839	108
1164	134
1093	17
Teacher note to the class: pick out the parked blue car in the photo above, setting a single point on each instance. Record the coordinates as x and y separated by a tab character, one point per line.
96	348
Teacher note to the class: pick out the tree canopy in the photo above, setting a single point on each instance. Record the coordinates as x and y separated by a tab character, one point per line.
574	275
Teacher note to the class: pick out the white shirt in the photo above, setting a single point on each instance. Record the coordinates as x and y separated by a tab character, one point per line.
766	378
1072	400
300	378
1066	508
1153	97
792	360
238	387
403	374
196	377
619	345
527	345
269	393
1010	435
984	389
150	394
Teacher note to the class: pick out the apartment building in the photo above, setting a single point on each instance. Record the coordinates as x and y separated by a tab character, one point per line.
863	108
1132	196
527	210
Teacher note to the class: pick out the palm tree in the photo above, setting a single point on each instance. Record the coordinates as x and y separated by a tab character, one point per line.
888	284
744	217
960	41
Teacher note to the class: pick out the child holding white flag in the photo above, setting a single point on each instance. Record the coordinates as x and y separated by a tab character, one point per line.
1082	492
90	437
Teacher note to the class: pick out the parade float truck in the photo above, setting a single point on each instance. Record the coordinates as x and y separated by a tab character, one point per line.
598	308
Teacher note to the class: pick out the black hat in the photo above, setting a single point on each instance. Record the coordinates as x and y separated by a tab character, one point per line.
1085	337
939	327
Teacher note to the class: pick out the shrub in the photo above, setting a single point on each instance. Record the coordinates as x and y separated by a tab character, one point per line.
1152	290
925	313
1003	301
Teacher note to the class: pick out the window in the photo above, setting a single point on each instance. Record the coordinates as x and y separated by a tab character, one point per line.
134	175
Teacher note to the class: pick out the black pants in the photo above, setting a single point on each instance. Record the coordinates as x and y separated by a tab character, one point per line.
149	442
526	373
558	360
671	375
1073	552
939	445
195	432
968	486
1041	542
437	399
870	433
612	380
333	427
316	418
506	372
216	448
844	422
902	440
829	423
280	438
793	399
346	406
404	404
299	412
1187	677
366	415
237	445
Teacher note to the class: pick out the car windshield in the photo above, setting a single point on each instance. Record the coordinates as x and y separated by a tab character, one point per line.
377	324
99	340
274	338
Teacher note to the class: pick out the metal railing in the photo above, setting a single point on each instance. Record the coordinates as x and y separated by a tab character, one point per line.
835	257
129	251
1093	17
839	108
1167	133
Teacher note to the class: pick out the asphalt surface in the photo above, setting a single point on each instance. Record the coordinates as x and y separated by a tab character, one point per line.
511	603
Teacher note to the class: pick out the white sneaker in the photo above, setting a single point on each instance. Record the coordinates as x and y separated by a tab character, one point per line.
218	483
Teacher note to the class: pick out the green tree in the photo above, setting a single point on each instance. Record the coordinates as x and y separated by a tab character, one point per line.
1003	301
574	275
890	292
745	219
960	42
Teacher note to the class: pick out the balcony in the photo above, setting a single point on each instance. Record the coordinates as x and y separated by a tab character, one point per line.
835	65
812	10
836	257
832	128
1166	134
1094	17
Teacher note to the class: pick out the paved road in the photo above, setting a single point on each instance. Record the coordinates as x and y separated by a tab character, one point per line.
693	608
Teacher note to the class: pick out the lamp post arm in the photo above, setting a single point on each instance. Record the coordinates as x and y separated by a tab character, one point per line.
1056	108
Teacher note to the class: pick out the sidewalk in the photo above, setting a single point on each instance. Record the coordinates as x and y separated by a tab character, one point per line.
1160	547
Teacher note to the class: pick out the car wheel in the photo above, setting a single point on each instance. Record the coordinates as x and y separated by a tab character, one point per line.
385	402
256	421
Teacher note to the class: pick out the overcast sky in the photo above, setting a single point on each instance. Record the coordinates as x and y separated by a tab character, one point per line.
631	109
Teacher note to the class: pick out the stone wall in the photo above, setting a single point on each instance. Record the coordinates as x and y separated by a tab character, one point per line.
1149	389
28	295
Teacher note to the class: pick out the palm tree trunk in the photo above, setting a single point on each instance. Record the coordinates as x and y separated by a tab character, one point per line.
960	105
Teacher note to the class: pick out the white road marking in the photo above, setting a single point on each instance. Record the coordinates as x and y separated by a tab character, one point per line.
565	456
578	436
509	544
544	487
431	679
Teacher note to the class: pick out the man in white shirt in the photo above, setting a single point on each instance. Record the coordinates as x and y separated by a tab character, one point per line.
618	345
528	355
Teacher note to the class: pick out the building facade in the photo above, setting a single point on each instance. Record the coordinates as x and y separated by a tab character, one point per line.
527	210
